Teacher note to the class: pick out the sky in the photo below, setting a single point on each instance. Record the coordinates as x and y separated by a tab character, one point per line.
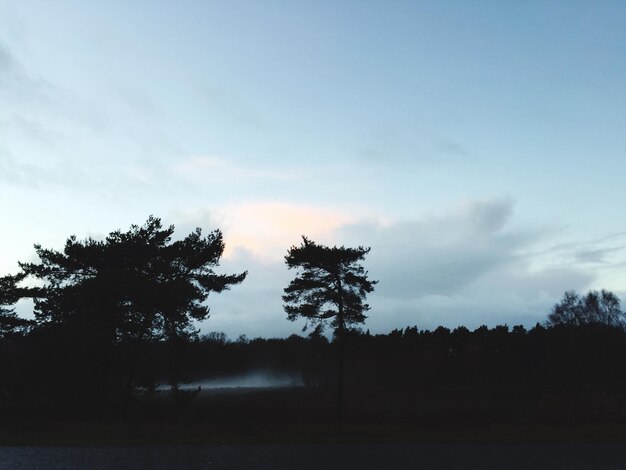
478	148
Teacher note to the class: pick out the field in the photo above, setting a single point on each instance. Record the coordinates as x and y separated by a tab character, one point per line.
307	415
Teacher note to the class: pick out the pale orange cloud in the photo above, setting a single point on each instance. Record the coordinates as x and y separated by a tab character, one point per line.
268	229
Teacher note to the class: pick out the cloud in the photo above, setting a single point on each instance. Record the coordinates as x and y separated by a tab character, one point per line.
466	264
203	168
604	250
439	254
52	137
267	229
11	73
36	175
596	255
19	87
253	308
31	119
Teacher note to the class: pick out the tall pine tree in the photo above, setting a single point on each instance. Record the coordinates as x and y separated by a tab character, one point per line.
331	287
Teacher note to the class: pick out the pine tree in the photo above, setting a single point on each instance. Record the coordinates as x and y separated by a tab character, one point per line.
331	287
129	288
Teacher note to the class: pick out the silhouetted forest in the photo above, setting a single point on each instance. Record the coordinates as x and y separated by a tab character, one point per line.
47	365
416	379
113	338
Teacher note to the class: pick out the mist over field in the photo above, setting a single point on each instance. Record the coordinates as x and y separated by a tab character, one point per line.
252	379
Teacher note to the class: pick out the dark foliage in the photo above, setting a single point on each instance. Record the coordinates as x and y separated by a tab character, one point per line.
331	285
102	301
10	294
565	375
595	308
132	285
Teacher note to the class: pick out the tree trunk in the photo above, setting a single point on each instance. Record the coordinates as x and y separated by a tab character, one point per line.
340	341
340	344
107	351
132	357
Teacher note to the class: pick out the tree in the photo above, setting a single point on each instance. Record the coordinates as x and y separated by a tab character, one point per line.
330	288
596	308
131	287
10	294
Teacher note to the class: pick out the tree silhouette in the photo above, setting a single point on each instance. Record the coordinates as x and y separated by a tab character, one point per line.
331	287
10	294
131	287
596	308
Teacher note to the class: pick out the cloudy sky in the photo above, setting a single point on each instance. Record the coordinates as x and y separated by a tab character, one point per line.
479	148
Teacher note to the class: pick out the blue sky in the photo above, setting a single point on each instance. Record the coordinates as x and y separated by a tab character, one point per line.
477	147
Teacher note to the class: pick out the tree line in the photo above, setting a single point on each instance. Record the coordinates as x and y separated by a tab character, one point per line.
117	315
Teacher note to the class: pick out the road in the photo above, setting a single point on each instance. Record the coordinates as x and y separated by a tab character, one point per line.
427	456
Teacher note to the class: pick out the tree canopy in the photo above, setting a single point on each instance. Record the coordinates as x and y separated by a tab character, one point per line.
595	308
10	294
136	284
331	286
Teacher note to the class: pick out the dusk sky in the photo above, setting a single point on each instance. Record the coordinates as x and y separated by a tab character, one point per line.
479	148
